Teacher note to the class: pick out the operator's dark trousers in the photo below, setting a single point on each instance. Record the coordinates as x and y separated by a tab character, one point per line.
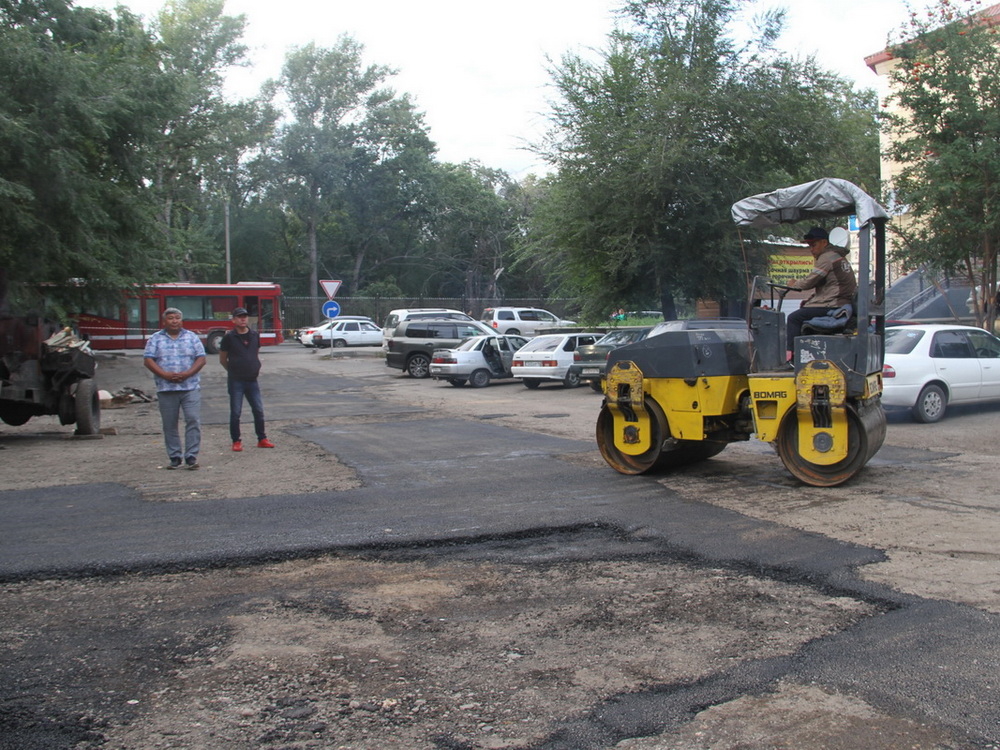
793	326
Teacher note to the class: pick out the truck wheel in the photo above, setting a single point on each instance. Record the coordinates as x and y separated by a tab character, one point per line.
479	378
15	414
88	408
213	341
419	366
67	407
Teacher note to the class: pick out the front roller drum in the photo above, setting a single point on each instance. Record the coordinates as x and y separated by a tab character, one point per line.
866	426
664	452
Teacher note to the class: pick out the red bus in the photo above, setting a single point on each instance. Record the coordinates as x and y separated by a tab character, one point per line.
207	310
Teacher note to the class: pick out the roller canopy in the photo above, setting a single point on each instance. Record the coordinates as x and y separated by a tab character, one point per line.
820	199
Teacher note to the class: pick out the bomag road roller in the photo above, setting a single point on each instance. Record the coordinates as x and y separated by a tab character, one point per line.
682	396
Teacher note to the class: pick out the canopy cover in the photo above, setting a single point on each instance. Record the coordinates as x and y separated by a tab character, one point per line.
820	199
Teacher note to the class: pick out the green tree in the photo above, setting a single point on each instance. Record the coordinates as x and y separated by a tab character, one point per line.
470	225
197	162
328	92
80	96
654	142
946	139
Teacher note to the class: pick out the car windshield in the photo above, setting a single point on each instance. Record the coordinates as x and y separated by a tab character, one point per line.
542	344
901	340
617	338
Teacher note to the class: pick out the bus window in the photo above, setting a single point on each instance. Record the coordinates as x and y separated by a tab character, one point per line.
133	315
203	308
220	308
152	315
266	322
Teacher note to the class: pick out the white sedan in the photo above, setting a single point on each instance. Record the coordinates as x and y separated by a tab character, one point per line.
928	367
348	333
551	357
476	361
305	335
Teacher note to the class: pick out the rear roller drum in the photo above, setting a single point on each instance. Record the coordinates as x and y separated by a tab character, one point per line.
665	453
865	435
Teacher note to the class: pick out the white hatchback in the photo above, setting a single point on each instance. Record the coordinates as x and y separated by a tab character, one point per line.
551	357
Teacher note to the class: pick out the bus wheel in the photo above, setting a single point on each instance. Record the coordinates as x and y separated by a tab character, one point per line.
213	341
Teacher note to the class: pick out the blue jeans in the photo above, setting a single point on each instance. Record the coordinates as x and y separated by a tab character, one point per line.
172	403
237	390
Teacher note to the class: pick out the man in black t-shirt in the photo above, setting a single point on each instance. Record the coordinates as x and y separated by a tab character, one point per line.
239	354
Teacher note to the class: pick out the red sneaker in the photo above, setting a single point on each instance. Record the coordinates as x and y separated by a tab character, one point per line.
237	445
265	443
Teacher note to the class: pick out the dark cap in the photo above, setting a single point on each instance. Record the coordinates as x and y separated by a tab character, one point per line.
816	233
240	311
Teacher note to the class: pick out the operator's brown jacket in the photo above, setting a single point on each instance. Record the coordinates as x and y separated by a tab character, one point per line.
833	279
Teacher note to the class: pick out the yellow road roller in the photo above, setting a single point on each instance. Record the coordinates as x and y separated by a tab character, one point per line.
682	396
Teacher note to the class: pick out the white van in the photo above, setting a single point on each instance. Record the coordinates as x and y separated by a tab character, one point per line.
395	317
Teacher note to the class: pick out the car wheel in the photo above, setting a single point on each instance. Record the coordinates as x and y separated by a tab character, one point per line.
418	366
457	382
479	379
572	380
339	343
512	332
931	404
596	386
532	383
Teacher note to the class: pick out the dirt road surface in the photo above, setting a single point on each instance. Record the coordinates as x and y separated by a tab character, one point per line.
557	636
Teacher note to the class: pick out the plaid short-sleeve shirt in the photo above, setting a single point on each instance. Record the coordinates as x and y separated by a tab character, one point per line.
175	355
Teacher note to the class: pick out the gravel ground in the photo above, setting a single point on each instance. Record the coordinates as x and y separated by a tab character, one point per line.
504	644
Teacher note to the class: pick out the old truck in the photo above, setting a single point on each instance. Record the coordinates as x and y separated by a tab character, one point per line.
45	369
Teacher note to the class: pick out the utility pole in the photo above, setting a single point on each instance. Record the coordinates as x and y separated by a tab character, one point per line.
229	265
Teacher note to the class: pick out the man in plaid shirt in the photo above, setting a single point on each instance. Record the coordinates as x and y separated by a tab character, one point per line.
175	356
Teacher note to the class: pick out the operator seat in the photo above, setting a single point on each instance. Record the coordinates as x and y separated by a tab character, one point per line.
841	320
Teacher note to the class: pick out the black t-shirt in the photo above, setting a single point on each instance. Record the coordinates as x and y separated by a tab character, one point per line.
243	350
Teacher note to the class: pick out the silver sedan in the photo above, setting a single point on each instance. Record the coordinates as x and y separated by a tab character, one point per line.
476	361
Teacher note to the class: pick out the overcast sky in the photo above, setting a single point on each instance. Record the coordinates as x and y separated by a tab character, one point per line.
478	69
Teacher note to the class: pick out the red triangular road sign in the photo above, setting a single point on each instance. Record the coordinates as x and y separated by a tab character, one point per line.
330	287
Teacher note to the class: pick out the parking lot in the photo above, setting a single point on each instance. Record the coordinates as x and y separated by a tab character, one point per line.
424	566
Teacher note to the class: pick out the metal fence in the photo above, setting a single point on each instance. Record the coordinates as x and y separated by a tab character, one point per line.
303	311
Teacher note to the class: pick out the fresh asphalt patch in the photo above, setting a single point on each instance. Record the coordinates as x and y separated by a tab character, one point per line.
436	483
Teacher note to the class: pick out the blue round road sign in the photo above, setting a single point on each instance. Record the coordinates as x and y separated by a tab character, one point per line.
331	309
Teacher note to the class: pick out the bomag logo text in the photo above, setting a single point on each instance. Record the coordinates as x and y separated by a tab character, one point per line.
770	394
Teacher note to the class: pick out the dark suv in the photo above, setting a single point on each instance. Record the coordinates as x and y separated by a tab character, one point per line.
414	341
